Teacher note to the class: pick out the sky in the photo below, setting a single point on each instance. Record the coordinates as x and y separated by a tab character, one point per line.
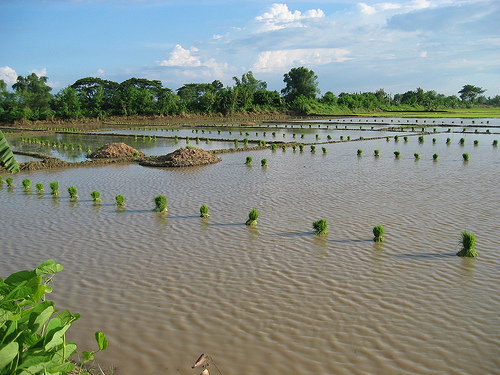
352	46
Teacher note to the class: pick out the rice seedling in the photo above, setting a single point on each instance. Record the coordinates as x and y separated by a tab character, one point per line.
283	147
26	184
120	200
421	139
252	217
387	139
376	152
249	160
405	138
461	141
54	187
396	154
302	136
39	188
10	181
204	211
273	146
301	148
160	203
495	143
274	134
96	196
245	142
294	147
396	138
263	162
417	156
435	157
313	148
448	141
476	142
465	157
320	227
1	180
378	233
468	242
434	140
324	150
360	152
72	193
329	137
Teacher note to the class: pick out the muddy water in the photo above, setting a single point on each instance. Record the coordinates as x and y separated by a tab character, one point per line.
276	298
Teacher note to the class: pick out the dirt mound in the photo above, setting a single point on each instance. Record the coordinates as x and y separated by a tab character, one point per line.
183	157
116	150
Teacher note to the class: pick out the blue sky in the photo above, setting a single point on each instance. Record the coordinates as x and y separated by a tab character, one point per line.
353	46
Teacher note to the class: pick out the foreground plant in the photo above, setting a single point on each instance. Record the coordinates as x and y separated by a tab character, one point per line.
396	154
360	152
378	233
468	242
204	211
96	196
435	157
39	187
54	187
252	217
120	200
72	193
32	331
377	153
160	203
249	160
417	156
1	180
320	226
26	184
465	157
263	162
10	181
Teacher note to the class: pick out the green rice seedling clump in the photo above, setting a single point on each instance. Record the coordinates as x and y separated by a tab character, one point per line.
495	142
283	147
313	148
10	181
204	211
397	154
301	148
324	150
435	157
54	187
96	196
72	192
252	217
465	157
160	203
320	227
417	156
468	242
378	233
26	184
120	200
249	160
360	152
461	141
263	162
377	153
273	146
39	187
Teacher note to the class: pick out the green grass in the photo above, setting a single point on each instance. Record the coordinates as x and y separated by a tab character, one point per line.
249	160
378	233
468	242
252	217
120	200
160	203
96	196
320	227
263	162
204	211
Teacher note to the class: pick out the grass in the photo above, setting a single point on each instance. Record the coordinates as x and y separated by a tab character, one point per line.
468	242
320	227
96	196
120	200
263	162
252	217
204	211
378	233
72	193
465	156
160	203
54	187
249	160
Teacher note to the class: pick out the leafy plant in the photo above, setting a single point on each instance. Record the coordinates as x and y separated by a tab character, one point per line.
283	147
435	157
320	226
313	148
461	141
495	142
10	181
27	184
54	187
32	331
324	150
378	233
120	200
417	156
96	196
377	153
252	217
72	193
465	157
301	148
421	139
448	141
204	211
273	146
39	187
7	159
476	142
263	162
396	154
161	203
360	152
249	160
468	242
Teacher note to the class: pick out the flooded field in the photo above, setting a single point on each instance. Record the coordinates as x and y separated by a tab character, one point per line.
276	298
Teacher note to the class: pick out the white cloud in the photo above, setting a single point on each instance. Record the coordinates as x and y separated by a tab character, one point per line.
100	72
279	17
182	57
39	73
276	61
423	54
8	75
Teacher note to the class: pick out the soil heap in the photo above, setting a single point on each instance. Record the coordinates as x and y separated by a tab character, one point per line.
183	157
116	150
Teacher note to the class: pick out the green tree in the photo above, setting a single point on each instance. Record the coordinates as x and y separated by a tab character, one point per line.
34	96
300	81
249	82
469	93
67	104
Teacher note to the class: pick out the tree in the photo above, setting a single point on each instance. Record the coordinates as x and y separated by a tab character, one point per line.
35	96
300	81
470	92
249	82
67	104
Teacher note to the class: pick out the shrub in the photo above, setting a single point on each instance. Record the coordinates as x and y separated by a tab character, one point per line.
39	187
465	156
10	181
378	233
204	211
72	192
435	157
468	242
320	226
252	217
27	184
54	187
96	196
160	203
249	160
33	332
263	162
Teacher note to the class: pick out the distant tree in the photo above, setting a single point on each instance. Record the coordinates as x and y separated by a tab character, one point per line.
249	82
469	93
329	98
34	95
300	81
67	104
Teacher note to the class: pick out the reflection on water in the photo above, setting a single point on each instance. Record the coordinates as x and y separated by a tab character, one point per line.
276	298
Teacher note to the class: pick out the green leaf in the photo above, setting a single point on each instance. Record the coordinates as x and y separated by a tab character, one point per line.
7	159
63	367
41	313
88	356
7	353
68	318
18	277
48	267
101	339
55	333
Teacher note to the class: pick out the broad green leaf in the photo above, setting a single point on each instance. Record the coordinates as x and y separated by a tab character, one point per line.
33	340
63	367
55	333
48	267
101	339
64	353
7	353
41	313
89	356
18	277
7	159
68	318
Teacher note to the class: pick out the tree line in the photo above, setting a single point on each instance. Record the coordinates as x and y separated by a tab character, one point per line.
91	97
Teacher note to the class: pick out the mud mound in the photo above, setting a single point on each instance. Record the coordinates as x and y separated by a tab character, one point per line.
183	157
116	150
